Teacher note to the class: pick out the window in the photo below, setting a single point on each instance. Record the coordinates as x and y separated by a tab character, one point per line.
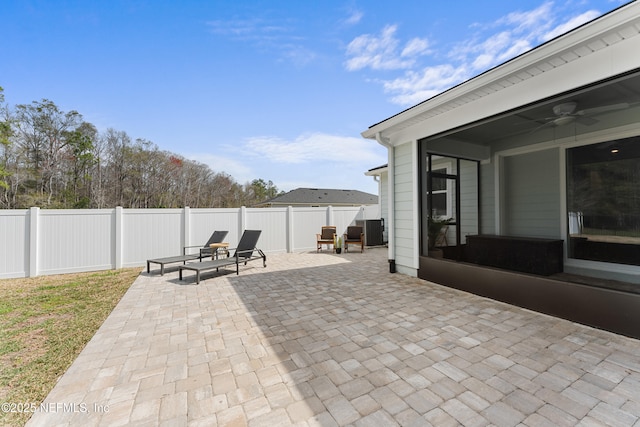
603	201
439	194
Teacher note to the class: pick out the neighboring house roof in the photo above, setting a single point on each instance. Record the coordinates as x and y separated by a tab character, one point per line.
322	197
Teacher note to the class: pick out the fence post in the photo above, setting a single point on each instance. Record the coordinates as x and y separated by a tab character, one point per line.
186	226
242	220
118	237
290	247
34	213
329	215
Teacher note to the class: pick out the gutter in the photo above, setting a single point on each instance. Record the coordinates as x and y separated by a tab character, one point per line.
385	142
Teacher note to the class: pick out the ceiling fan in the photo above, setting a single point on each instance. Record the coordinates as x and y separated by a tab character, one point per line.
566	113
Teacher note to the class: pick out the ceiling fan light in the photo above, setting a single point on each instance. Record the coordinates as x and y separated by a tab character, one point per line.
564	109
564	120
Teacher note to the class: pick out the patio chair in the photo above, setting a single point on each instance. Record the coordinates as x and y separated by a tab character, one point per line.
243	254
354	235
326	237
216	237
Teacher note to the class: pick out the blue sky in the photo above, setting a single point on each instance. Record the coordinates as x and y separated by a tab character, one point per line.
278	90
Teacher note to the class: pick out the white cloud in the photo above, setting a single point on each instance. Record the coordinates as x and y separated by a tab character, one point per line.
415	87
536	20
240	171
247	29
266	36
312	148
571	24
317	160
354	17
416	46
382	52
489	45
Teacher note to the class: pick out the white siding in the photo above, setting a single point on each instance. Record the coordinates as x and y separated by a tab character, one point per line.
384	204
532	194
404	213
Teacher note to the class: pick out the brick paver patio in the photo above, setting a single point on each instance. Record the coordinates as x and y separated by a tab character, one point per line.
336	340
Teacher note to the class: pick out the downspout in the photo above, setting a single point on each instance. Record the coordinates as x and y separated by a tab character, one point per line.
392	197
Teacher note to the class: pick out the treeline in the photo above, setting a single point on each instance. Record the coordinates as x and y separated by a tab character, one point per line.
55	159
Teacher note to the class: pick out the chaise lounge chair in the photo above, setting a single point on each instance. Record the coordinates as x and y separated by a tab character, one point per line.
205	251
243	254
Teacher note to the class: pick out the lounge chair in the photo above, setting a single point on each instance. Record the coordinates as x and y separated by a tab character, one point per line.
205	251
326	237
243	254
354	235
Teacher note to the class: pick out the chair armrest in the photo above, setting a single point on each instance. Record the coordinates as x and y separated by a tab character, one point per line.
184	248
206	251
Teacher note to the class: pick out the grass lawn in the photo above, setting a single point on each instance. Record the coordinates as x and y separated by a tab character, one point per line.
45	322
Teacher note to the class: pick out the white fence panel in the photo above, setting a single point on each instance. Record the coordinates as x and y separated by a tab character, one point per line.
306	223
38	241
273	223
74	240
371	212
344	217
151	233
203	222
14	243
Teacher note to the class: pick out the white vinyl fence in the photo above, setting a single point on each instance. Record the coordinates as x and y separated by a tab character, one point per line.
37	241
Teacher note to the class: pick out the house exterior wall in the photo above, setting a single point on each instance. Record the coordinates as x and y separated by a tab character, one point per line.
531	197
384	204
406	221
523	178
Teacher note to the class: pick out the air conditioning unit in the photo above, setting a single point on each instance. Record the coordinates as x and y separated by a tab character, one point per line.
373	229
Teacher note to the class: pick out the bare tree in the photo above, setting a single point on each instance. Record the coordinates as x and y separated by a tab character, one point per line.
42	130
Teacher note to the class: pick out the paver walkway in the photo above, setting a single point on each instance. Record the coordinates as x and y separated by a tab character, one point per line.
326	340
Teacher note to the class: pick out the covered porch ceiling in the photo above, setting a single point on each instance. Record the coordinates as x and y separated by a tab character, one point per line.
614	102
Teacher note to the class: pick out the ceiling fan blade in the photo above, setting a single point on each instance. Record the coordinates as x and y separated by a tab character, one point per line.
587	121
602	109
546	125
